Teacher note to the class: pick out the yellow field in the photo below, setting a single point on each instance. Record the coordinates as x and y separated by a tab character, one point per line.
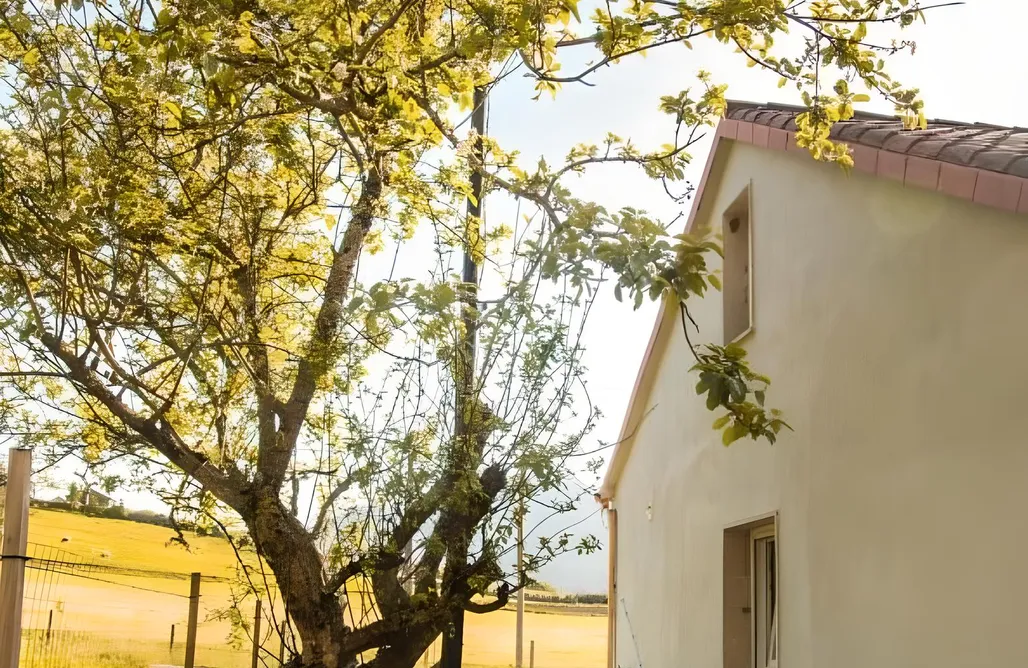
125	622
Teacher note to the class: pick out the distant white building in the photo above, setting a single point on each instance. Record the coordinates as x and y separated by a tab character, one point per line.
889	306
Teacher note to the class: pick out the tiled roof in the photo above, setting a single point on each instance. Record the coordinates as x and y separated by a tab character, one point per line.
984	163
991	147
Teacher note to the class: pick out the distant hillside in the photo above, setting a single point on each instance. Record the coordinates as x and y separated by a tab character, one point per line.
130	544
136	545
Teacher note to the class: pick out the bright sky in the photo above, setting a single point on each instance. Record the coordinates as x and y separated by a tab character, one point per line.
962	65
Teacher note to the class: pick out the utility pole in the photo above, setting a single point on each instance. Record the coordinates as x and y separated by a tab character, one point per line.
519	649
408	550
15	544
453	642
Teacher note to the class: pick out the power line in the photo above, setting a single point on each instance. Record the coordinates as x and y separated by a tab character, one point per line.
124	570
72	573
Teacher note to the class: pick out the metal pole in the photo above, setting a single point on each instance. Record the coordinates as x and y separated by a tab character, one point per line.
15	544
452	653
49	625
256	635
408	550
194	613
171	643
519	647
531	655
612	586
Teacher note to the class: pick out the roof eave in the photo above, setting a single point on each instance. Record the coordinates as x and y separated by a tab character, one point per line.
622	447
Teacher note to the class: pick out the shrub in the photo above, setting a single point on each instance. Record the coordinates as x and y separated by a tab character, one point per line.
114	513
592	599
51	505
570	599
148	517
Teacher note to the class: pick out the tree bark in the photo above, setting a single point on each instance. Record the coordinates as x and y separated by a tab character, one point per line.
281	538
290	552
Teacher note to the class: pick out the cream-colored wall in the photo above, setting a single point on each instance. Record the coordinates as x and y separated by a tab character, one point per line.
894	325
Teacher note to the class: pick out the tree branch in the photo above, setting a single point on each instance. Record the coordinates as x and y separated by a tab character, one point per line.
333	496
320	350
502	599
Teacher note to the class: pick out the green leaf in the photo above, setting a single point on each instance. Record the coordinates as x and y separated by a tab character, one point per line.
861	97
173	109
734	351
572	6
737	389
722	421
714	395
759	394
733	433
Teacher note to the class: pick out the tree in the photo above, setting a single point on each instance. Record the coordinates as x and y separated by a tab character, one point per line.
187	194
74	493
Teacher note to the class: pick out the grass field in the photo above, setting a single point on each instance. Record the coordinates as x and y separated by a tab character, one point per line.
125	622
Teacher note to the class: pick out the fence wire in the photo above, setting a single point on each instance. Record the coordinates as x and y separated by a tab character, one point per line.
53	603
41	580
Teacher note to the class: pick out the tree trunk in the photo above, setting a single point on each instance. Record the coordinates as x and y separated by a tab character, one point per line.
290	552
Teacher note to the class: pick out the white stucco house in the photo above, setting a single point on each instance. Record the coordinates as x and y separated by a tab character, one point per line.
889	306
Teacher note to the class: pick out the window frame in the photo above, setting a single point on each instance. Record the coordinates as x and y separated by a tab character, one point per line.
767	646
742	205
739	582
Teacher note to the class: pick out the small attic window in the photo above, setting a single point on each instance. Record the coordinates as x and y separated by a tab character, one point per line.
737	279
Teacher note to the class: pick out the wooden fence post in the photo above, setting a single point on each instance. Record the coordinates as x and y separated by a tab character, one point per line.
256	635
49	625
15	544
194	613
531	654
171	643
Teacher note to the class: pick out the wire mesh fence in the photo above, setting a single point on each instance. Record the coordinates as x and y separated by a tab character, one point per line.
79	613
68	600
102	593
88	612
